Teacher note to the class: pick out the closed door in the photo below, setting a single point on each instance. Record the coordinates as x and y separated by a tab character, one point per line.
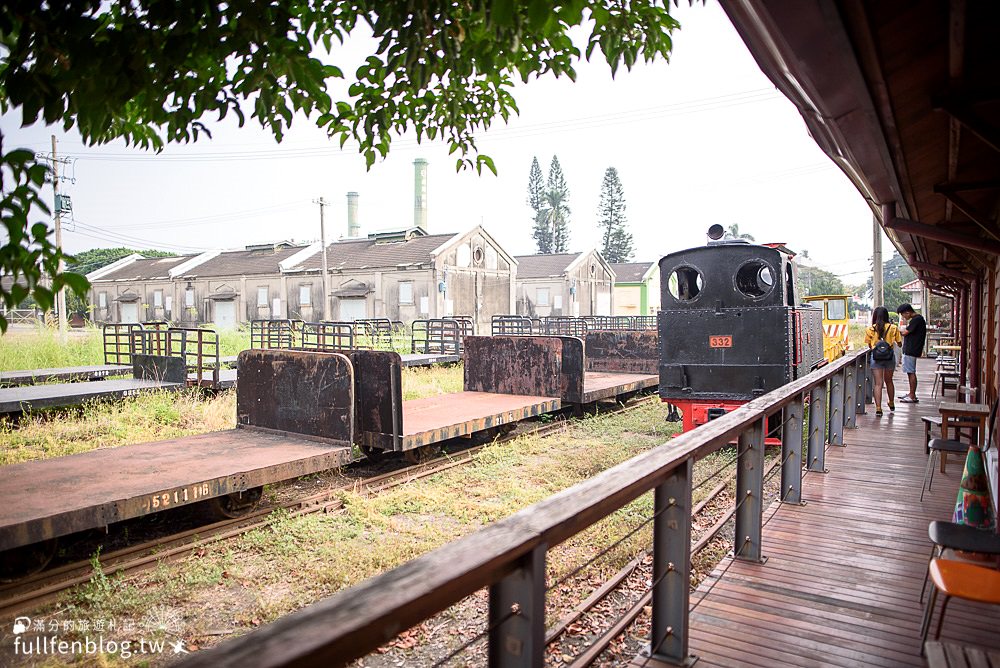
225	314
130	311
603	303
353	308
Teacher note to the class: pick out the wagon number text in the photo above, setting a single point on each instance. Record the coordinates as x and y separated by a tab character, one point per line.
176	497
720	341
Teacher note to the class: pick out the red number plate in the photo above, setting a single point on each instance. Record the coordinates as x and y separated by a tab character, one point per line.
720	341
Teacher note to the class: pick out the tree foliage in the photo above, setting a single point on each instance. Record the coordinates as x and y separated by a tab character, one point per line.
557	207
536	200
616	240
153	71
734	233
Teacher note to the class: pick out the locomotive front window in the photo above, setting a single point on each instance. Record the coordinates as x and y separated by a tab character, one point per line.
685	283
836	309
755	279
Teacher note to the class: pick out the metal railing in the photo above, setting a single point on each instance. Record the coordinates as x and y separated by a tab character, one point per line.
511	325
267	334
508	557
439	336
329	337
564	326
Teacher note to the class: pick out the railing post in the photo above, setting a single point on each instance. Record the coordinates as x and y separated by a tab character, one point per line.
869	381
517	615
750	493
816	454
672	567
859	393
850	396
791	452
836	417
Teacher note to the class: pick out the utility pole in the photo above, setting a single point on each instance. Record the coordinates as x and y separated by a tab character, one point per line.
56	206
326	274
878	296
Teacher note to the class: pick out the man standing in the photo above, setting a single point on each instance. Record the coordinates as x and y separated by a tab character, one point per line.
914	331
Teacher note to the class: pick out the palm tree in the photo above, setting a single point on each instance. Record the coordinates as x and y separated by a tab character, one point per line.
734	232
556	215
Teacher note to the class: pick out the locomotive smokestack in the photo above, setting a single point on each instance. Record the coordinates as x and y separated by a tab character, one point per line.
353	227
420	193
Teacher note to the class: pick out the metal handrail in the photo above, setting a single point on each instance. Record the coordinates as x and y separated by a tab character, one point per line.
508	556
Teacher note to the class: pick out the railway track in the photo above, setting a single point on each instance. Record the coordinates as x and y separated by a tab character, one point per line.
44	587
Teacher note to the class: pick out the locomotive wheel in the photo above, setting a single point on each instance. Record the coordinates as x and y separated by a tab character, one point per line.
373	455
237	504
422	454
26	560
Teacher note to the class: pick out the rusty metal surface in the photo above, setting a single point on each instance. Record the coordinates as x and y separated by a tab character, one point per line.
65	374
35	397
435	419
631	352
378	395
158	367
54	497
300	392
418	359
599	385
547	366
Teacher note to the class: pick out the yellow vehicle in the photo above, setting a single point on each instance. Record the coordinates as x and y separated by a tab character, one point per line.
835	321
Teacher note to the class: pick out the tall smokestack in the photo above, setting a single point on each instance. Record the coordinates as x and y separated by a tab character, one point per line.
353	227
420	193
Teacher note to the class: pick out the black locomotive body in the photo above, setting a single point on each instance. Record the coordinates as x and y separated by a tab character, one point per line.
731	328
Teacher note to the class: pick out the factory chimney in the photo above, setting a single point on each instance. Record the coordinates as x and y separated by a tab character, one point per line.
420	193
353	227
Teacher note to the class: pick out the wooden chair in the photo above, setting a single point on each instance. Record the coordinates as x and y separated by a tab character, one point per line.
958	579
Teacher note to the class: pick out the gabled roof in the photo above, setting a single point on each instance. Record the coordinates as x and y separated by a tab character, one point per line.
145	269
632	272
244	262
370	253
544	265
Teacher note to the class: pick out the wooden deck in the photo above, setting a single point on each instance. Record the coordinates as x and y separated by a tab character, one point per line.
841	583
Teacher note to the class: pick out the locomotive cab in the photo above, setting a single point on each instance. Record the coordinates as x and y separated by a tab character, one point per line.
731	328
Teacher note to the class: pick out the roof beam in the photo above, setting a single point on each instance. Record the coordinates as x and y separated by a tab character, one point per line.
961	111
936	233
961	186
942	271
975	214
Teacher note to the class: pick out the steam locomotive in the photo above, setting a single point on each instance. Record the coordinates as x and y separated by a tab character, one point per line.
731	327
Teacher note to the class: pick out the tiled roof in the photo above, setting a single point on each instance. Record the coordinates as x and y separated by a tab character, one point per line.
545	265
145	269
630	272
244	262
366	253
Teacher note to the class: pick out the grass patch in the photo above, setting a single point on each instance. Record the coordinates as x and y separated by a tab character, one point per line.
429	381
41	348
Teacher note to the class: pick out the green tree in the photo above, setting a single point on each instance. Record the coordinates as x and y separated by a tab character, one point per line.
151	71
536	200
734	233
814	281
894	270
617	242
557	207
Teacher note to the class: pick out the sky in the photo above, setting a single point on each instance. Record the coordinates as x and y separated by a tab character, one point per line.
703	139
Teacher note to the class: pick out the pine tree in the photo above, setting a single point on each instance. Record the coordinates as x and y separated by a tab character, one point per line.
557	200
617	246
536	200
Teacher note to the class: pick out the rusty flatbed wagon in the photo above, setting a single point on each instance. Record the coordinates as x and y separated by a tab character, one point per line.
63	374
295	416
507	379
149	374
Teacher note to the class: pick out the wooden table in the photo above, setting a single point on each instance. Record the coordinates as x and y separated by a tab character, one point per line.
952	411
949	348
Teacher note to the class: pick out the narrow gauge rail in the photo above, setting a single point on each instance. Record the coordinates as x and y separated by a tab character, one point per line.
300	412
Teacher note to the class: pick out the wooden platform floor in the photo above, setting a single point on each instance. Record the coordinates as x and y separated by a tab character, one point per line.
841	583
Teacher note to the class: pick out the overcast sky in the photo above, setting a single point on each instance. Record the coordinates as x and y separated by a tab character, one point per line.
703	139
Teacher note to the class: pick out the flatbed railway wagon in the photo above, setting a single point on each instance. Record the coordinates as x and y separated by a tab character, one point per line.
731	328
300	412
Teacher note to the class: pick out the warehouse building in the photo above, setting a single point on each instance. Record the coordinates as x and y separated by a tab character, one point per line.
637	288
564	284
